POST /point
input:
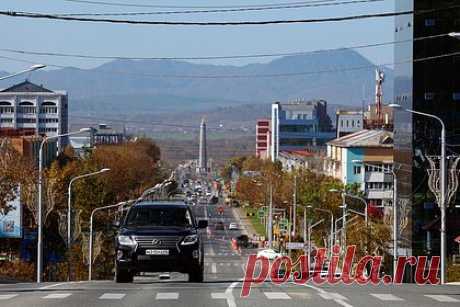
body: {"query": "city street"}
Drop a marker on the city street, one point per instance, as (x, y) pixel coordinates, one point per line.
(222, 285)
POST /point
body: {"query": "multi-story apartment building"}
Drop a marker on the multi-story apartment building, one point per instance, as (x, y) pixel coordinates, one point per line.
(299, 125)
(427, 80)
(364, 158)
(27, 106)
(262, 138)
(348, 122)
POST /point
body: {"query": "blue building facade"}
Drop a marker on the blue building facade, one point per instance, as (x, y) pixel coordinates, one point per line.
(299, 125)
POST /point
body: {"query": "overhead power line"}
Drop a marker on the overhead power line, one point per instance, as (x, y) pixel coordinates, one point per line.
(237, 56)
(122, 4)
(229, 10)
(207, 23)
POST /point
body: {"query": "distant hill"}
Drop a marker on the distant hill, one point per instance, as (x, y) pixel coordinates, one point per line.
(123, 87)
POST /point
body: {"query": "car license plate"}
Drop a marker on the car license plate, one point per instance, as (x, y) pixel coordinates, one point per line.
(163, 252)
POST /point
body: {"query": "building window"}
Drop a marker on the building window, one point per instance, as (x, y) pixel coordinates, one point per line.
(356, 170)
(6, 120)
(48, 130)
(429, 96)
(48, 110)
(26, 120)
(353, 123)
(456, 96)
(430, 22)
(341, 123)
(48, 120)
(4, 110)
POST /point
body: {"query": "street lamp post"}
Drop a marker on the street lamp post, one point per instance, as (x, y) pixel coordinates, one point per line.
(40, 205)
(310, 228)
(344, 211)
(90, 252)
(442, 204)
(69, 202)
(270, 218)
(306, 226)
(331, 228)
(343, 218)
(31, 68)
(294, 196)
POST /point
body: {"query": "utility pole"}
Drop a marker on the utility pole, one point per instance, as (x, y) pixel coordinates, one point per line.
(395, 223)
(344, 222)
(270, 218)
(294, 207)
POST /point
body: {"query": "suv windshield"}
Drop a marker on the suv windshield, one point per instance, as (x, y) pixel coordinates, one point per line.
(150, 216)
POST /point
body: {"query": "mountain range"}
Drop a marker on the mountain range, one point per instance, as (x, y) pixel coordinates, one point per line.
(130, 87)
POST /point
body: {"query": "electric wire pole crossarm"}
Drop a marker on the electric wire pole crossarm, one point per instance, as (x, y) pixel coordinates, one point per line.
(40, 200)
(442, 202)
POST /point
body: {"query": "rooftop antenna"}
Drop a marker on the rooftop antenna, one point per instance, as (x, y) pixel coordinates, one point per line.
(379, 79)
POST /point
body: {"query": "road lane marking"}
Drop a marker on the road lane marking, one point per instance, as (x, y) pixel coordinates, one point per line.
(167, 296)
(332, 296)
(277, 296)
(443, 298)
(386, 297)
(213, 268)
(60, 284)
(4, 297)
(324, 292)
(112, 296)
(57, 295)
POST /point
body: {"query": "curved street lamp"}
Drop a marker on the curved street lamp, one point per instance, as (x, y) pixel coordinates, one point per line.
(442, 202)
(31, 68)
(40, 201)
(69, 202)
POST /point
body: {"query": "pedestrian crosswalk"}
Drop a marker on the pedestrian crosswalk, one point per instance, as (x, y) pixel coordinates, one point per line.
(386, 297)
(112, 296)
(443, 298)
(260, 294)
(57, 295)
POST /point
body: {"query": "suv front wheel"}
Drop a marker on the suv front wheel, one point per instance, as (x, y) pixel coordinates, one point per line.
(123, 276)
(196, 274)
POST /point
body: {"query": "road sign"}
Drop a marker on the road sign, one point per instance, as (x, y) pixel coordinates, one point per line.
(295, 245)
(261, 213)
(284, 222)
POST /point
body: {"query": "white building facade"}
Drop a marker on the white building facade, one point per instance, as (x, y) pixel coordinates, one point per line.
(27, 106)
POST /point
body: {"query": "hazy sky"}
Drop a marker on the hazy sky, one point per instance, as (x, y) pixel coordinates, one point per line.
(180, 41)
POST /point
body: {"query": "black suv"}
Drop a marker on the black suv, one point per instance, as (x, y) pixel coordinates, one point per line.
(159, 237)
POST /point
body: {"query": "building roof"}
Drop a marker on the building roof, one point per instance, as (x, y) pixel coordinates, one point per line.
(297, 153)
(365, 138)
(27, 87)
(301, 104)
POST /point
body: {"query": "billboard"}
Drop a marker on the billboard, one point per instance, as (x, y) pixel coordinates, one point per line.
(11, 223)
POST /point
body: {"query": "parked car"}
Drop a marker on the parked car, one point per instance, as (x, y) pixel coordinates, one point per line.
(219, 226)
(233, 226)
(269, 253)
(243, 241)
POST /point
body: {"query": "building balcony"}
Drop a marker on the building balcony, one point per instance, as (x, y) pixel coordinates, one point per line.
(379, 194)
(378, 177)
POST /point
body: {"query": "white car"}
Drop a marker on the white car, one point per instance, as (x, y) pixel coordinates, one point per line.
(268, 253)
(233, 226)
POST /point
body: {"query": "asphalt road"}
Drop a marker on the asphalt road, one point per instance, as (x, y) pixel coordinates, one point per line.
(222, 286)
